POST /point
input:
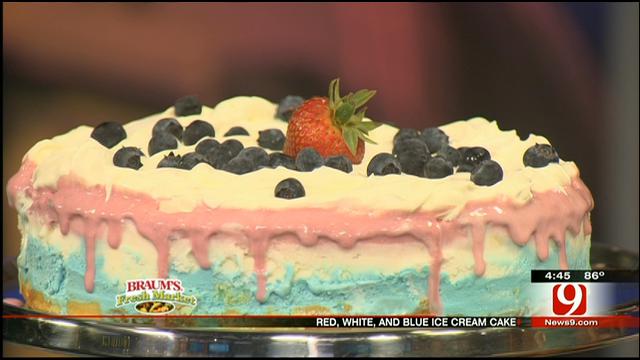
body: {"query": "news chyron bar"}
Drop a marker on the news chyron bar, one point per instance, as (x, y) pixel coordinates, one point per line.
(558, 298)
(555, 298)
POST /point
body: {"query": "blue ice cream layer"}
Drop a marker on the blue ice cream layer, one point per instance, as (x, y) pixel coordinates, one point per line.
(218, 292)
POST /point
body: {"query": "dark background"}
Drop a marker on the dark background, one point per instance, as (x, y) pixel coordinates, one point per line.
(565, 71)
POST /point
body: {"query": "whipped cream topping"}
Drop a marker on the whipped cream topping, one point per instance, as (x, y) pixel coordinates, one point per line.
(179, 190)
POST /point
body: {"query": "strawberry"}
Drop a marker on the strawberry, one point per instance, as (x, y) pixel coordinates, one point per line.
(332, 126)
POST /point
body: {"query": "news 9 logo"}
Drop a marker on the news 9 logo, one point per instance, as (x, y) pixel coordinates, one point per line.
(569, 299)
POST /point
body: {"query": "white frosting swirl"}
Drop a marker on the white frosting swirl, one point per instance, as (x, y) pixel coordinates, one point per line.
(181, 190)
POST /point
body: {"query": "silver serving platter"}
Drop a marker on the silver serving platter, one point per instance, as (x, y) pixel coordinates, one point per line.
(105, 337)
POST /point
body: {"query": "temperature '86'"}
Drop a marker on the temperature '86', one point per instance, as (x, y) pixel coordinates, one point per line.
(593, 275)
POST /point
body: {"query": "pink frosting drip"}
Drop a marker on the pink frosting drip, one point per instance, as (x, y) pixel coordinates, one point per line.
(86, 210)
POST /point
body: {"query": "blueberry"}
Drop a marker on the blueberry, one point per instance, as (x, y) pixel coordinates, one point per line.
(223, 153)
(289, 189)
(341, 163)
(237, 130)
(434, 138)
(232, 146)
(207, 145)
(128, 157)
(412, 154)
(308, 159)
(472, 157)
(170, 160)
(218, 159)
(188, 105)
(189, 160)
(162, 141)
(413, 162)
(257, 155)
(240, 165)
(383, 164)
(279, 159)
(109, 134)
(196, 131)
(272, 139)
(414, 144)
(287, 106)
(168, 125)
(540, 155)
(438, 168)
(450, 154)
(405, 134)
(487, 173)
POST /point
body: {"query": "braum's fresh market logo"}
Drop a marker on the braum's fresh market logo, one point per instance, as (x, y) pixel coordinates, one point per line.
(155, 296)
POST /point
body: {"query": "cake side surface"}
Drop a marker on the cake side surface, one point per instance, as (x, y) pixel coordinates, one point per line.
(301, 279)
(411, 244)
